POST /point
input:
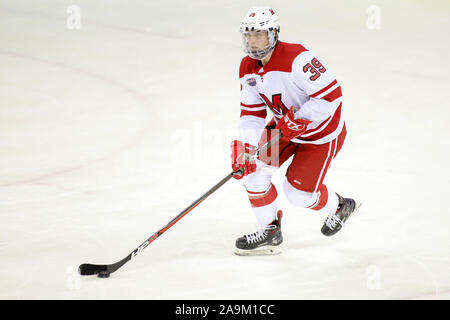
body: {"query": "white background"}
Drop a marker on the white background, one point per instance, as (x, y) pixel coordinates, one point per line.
(108, 131)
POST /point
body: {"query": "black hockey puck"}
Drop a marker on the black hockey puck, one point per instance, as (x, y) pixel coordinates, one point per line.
(103, 274)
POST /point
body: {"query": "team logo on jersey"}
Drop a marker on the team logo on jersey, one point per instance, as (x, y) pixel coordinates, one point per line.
(276, 105)
(251, 82)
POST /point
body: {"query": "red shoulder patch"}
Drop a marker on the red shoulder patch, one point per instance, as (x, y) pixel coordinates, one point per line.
(248, 65)
(283, 56)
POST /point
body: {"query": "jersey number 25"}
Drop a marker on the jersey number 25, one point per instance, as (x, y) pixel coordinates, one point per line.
(315, 67)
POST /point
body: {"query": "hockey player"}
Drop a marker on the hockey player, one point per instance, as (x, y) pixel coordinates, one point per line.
(306, 101)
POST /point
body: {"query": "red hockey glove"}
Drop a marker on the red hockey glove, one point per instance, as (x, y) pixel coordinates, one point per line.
(241, 162)
(291, 127)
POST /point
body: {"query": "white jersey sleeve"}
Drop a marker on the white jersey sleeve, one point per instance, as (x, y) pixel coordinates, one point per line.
(253, 109)
(320, 84)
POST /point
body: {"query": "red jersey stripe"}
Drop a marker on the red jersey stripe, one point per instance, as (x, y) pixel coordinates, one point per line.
(318, 128)
(333, 95)
(253, 105)
(260, 113)
(331, 127)
(323, 89)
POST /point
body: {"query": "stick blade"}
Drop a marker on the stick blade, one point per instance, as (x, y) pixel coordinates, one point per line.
(87, 269)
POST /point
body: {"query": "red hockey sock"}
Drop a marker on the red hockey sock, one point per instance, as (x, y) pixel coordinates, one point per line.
(260, 199)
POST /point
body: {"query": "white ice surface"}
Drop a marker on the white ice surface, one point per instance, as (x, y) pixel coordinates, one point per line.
(109, 131)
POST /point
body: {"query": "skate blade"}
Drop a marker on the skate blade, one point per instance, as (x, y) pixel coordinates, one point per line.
(357, 205)
(262, 251)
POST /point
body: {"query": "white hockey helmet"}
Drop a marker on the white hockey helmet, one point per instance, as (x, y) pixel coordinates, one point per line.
(260, 19)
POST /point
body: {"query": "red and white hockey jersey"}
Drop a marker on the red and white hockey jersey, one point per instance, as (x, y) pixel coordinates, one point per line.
(292, 77)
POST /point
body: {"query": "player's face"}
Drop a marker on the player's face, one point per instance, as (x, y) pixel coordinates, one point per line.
(257, 40)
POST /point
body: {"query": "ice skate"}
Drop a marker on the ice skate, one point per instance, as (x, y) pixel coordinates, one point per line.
(335, 221)
(263, 242)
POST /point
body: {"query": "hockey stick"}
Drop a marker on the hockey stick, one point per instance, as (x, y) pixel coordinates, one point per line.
(104, 270)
